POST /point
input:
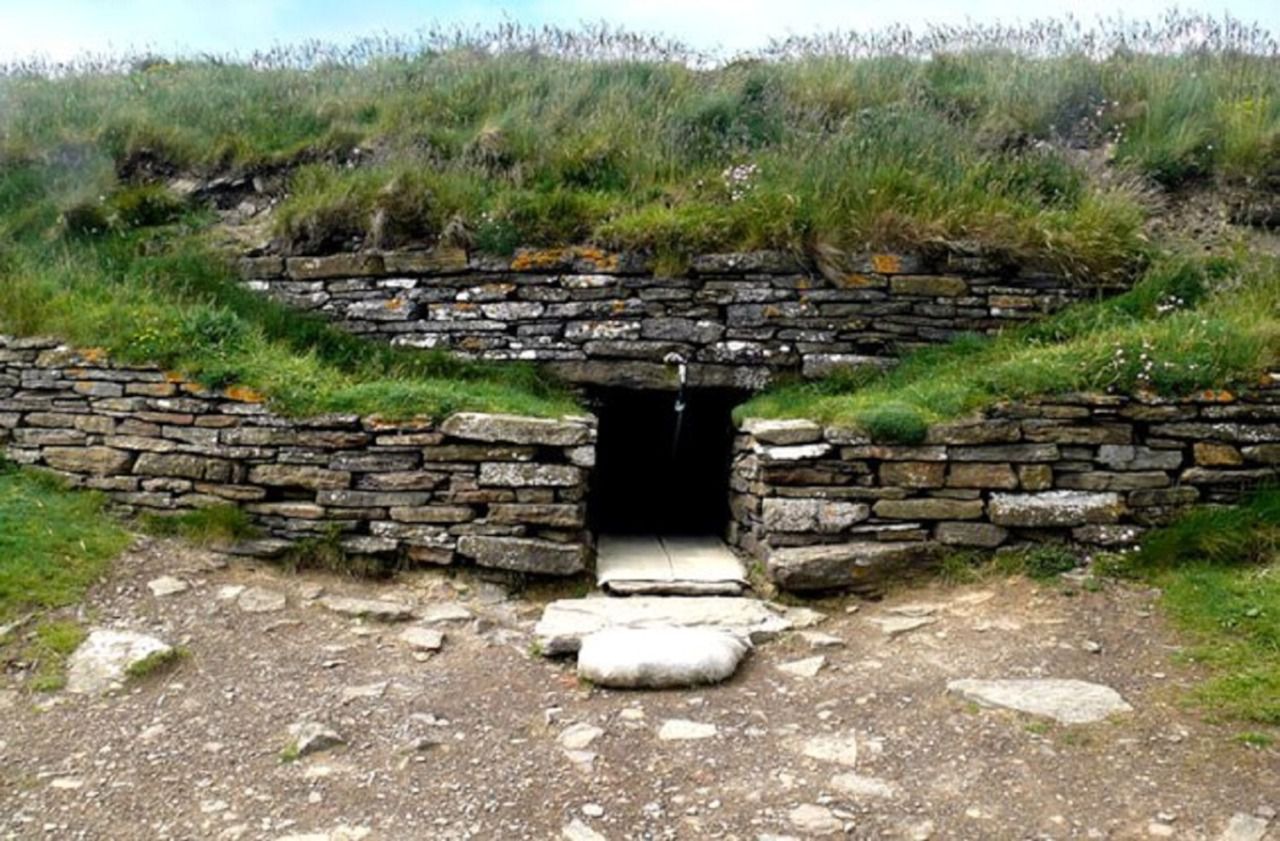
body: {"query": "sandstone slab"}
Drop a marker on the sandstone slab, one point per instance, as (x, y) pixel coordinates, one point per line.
(101, 663)
(1065, 701)
(565, 623)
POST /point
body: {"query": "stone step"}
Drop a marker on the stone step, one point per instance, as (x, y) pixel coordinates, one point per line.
(668, 565)
(859, 566)
(565, 622)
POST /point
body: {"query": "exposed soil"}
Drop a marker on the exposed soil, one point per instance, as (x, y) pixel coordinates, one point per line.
(464, 743)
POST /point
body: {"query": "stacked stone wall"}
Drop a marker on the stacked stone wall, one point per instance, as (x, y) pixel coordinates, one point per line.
(826, 507)
(500, 491)
(737, 319)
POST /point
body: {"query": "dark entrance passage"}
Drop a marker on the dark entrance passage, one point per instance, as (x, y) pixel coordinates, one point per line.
(656, 476)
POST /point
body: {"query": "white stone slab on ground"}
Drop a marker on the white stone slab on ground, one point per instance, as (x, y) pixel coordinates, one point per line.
(680, 565)
(660, 658)
(565, 622)
(1065, 701)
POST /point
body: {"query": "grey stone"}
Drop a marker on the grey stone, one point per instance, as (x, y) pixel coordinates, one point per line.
(1065, 701)
(442, 613)
(566, 622)
(1244, 827)
(862, 564)
(985, 535)
(300, 476)
(811, 515)
(894, 626)
(1054, 508)
(806, 667)
(261, 600)
(167, 585)
(377, 610)
(422, 639)
(509, 475)
(815, 820)
(783, 432)
(659, 657)
(97, 461)
(101, 663)
(679, 729)
(576, 830)
(861, 787)
(522, 554)
(312, 737)
(516, 429)
(929, 509)
(579, 736)
(837, 748)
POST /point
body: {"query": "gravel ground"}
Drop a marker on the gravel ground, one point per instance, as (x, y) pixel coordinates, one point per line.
(486, 740)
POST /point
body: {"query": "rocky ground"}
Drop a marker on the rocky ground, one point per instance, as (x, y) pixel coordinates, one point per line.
(485, 739)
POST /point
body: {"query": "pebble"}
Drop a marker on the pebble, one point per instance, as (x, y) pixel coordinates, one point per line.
(579, 736)
(167, 585)
(808, 667)
(422, 639)
(593, 810)
(576, 830)
(813, 819)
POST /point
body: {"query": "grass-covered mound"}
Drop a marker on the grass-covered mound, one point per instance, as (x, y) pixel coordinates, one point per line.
(182, 308)
(1188, 324)
(553, 137)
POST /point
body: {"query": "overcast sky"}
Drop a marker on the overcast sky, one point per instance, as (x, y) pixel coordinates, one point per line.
(63, 28)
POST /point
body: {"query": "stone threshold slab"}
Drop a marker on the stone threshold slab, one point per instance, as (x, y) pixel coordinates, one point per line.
(668, 565)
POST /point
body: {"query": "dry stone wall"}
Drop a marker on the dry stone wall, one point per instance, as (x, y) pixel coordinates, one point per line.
(501, 491)
(608, 319)
(826, 507)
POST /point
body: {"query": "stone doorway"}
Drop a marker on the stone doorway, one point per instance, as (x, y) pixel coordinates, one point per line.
(659, 499)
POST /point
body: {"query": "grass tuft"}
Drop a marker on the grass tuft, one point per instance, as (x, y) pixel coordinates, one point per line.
(218, 525)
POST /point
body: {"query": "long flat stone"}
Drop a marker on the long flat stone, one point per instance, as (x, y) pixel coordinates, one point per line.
(101, 663)
(859, 565)
(1065, 701)
(650, 565)
(565, 622)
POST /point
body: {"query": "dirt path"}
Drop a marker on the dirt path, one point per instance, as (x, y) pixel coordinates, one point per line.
(470, 742)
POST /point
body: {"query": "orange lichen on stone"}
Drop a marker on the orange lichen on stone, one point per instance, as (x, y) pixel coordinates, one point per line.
(394, 304)
(618, 307)
(886, 263)
(376, 423)
(602, 260)
(244, 394)
(541, 258)
(1217, 396)
(94, 354)
(194, 388)
(857, 281)
(174, 377)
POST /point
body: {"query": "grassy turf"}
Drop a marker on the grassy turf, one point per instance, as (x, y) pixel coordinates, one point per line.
(523, 138)
(53, 543)
(1188, 324)
(1219, 572)
(160, 296)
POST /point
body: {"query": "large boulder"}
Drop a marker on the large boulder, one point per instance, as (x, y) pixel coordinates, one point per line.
(658, 658)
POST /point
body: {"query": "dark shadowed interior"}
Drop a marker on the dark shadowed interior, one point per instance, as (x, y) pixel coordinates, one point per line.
(656, 476)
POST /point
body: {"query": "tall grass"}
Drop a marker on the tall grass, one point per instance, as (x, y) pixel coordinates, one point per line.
(537, 136)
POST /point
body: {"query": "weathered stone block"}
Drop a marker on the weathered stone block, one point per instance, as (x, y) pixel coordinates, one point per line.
(1130, 457)
(515, 429)
(820, 516)
(97, 461)
(524, 554)
(1055, 508)
(913, 474)
(862, 565)
(516, 475)
(934, 287)
(336, 265)
(980, 475)
(371, 499)
(1035, 477)
(184, 465)
(299, 476)
(929, 509)
(1104, 481)
(1263, 453)
(433, 514)
(782, 432)
(1008, 452)
(984, 535)
(557, 515)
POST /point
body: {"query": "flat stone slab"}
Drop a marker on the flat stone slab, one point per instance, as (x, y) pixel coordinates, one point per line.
(101, 663)
(375, 610)
(564, 623)
(1065, 701)
(680, 730)
(650, 564)
(660, 658)
(860, 565)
